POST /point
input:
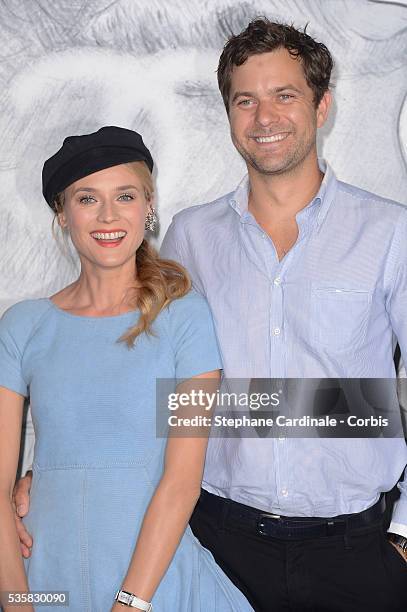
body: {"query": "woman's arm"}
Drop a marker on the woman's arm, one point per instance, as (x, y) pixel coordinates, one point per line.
(173, 502)
(12, 574)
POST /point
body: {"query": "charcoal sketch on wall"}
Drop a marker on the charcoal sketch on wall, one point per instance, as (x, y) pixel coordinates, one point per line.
(150, 65)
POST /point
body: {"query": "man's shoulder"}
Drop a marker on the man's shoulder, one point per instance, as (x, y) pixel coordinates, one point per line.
(371, 201)
(206, 212)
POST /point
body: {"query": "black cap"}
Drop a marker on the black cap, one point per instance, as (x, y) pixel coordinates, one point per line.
(80, 156)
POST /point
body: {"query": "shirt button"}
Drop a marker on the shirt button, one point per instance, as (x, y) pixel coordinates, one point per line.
(263, 236)
(277, 280)
(276, 331)
(281, 438)
(284, 492)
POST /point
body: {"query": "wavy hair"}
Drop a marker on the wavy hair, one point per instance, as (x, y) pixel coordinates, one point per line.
(263, 36)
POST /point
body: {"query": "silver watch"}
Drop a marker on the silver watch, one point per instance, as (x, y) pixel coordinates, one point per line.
(128, 599)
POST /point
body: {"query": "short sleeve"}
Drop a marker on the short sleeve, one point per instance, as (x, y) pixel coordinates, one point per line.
(11, 351)
(193, 337)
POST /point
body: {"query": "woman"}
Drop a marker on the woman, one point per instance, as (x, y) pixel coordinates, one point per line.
(89, 358)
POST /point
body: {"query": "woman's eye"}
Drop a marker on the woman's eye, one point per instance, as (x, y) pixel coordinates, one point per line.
(126, 197)
(86, 200)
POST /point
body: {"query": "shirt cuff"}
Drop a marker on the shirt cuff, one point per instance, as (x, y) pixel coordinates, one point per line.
(399, 515)
(398, 528)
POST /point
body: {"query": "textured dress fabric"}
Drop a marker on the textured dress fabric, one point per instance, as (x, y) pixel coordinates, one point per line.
(97, 458)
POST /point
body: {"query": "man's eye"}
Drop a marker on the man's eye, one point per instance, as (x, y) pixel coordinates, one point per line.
(285, 97)
(126, 197)
(247, 102)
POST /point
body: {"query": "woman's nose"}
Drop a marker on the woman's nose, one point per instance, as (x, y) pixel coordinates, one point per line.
(108, 212)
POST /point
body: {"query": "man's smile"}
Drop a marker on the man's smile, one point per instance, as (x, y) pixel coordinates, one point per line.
(270, 139)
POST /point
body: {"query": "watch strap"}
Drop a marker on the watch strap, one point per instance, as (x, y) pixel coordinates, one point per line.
(132, 601)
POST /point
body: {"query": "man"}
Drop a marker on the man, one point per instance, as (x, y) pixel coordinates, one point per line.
(306, 277)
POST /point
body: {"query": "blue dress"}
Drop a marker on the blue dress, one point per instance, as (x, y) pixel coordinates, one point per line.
(97, 459)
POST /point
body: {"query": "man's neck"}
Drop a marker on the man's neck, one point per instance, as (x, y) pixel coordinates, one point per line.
(283, 195)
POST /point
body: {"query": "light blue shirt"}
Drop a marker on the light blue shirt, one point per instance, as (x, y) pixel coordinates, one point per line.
(332, 307)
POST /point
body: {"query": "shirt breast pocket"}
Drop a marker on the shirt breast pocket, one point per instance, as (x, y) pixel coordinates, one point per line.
(340, 316)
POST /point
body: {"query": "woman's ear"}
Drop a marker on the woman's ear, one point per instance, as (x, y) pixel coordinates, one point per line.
(150, 197)
(62, 220)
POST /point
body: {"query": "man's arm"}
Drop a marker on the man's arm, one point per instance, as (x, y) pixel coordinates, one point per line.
(175, 246)
(170, 248)
(397, 309)
(402, 393)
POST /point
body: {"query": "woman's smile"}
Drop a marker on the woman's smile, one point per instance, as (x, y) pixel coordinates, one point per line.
(109, 239)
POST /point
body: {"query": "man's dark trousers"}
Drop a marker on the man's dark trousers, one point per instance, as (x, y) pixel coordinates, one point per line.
(358, 571)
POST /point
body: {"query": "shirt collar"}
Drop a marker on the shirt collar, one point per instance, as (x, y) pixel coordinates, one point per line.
(326, 191)
(240, 197)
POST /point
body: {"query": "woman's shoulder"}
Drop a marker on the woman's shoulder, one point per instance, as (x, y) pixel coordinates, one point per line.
(189, 315)
(191, 305)
(23, 316)
(192, 336)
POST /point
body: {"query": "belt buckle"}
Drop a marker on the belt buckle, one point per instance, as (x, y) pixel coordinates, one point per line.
(336, 527)
(261, 525)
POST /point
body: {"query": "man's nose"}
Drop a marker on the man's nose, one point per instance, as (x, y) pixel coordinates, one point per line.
(267, 113)
(108, 212)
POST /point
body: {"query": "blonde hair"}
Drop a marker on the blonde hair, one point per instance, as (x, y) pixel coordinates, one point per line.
(158, 281)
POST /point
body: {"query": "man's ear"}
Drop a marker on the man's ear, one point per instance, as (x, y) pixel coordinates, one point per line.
(323, 108)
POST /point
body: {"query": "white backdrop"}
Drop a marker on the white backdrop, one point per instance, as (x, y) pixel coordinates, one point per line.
(71, 67)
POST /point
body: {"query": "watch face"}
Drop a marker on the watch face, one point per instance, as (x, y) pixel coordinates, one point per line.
(122, 597)
(132, 601)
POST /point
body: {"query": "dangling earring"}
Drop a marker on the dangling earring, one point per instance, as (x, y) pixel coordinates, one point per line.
(151, 220)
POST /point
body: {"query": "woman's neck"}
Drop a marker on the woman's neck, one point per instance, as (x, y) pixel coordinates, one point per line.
(102, 292)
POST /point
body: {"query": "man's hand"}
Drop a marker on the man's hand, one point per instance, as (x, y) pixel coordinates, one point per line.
(399, 550)
(21, 502)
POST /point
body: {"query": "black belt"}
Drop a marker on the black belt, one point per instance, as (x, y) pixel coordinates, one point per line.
(266, 524)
